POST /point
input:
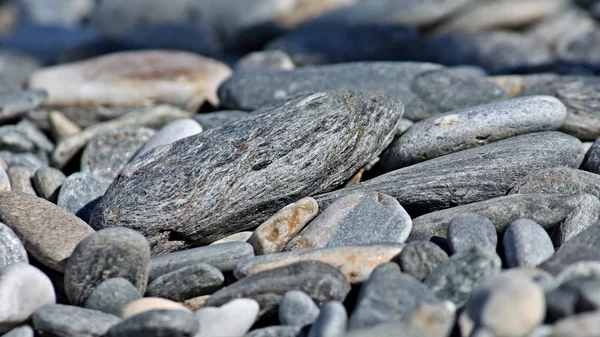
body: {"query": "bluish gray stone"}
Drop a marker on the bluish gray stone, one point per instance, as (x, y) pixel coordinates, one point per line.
(21, 331)
(297, 308)
(71, 321)
(213, 120)
(419, 258)
(187, 282)
(468, 230)
(25, 137)
(27, 160)
(526, 244)
(591, 162)
(81, 192)
(112, 296)
(169, 133)
(47, 182)
(156, 323)
(331, 322)
(563, 180)
(11, 248)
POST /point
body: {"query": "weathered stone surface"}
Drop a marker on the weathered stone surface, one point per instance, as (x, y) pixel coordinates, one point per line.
(20, 179)
(27, 160)
(580, 49)
(331, 322)
(187, 282)
(591, 162)
(471, 127)
(232, 319)
(355, 262)
(72, 321)
(47, 182)
(245, 168)
(112, 296)
(242, 236)
(272, 235)
(11, 248)
(80, 193)
(48, 232)
(320, 281)
(468, 230)
(213, 120)
(16, 102)
(93, 261)
(270, 59)
(526, 244)
(561, 180)
(168, 134)
(471, 175)
(156, 323)
(149, 304)
(298, 309)
(419, 258)
(25, 137)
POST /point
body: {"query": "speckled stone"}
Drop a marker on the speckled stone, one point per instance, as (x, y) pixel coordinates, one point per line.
(562, 180)
(16, 102)
(526, 244)
(11, 248)
(419, 258)
(156, 323)
(269, 59)
(297, 308)
(27, 160)
(47, 182)
(232, 319)
(20, 179)
(331, 322)
(187, 282)
(21, 331)
(168, 134)
(112, 296)
(468, 230)
(72, 321)
(81, 192)
(213, 120)
(149, 304)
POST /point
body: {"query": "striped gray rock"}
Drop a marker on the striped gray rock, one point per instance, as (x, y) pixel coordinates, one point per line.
(168, 134)
(251, 168)
(563, 180)
(217, 119)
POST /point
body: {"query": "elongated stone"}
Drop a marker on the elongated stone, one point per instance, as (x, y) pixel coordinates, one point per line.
(150, 304)
(471, 127)
(170, 133)
(471, 175)
(156, 323)
(4, 181)
(331, 322)
(61, 126)
(187, 282)
(561, 180)
(245, 168)
(72, 321)
(243, 236)
(355, 262)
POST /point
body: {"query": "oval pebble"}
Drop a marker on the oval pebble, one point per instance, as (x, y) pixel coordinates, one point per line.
(112, 296)
(156, 323)
(526, 244)
(169, 133)
(297, 308)
(331, 322)
(229, 320)
(187, 282)
(148, 304)
(71, 321)
(468, 230)
(419, 258)
(47, 182)
(80, 193)
(11, 248)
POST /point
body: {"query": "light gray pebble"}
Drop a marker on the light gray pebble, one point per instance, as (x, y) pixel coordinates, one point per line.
(331, 322)
(237, 237)
(112, 296)
(187, 282)
(71, 321)
(275, 331)
(297, 308)
(16, 102)
(468, 230)
(419, 258)
(168, 134)
(47, 182)
(268, 59)
(526, 244)
(11, 248)
(81, 192)
(20, 331)
(233, 319)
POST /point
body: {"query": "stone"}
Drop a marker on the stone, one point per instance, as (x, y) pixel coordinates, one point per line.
(156, 323)
(331, 322)
(553, 30)
(404, 125)
(24, 289)
(423, 87)
(48, 232)
(196, 303)
(263, 151)
(47, 182)
(11, 248)
(61, 125)
(419, 258)
(591, 162)
(242, 236)
(223, 256)
(466, 177)
(21, 64)
(578, 293)
(469, 230)
(233, 319)
(454, 279)
(578, 50)
(275, 331)
(320, 281)
(112, 296)
(385, 330)
(20, 331)
(583, 324)
(213, 120)
(270, 59)
(561, 180)
(433, 319)
(355, 262)
(187, 282)
(150, 304)
(108, 152)
(579, 270)
(169, 133)
(72, 321)
(526, 244)
(4, 181)
(388, 296)
(361, 218)
(298, 309)
(25, 137)
(272, 235)
(16, 102)
(20, 179)
(93, 261)
(27, 160)
(475, 126)
(80, 193)
(57, 12)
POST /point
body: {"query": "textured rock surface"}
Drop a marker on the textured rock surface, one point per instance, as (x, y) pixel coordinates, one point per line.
(20, 179)
(331, 322)
(11, 248)
(170, 133)
(156, 323)
(80, 193)
(561, 180)
(4, 181)
(297, 308)
(334, 135)
(187, 282)
(112, 296)
(217, 119)
(468, 230)
(72, 321)
(419, 258)
(232, 319)
(47, 182)
(526, 244)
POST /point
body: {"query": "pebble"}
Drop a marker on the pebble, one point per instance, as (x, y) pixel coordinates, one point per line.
(475, 126)
(81, 192)
(4, 181)
(562, 180)
(571, 296)
(419, 258)
(591, 162)
(108, 152)
(21, 331)
(298, 309)
(275, 331)
(61, 126)
(20, 179)
(320, 281)
(72, 321)
(142, 185)
(269, 59)
(357, 219)
(331, 321)
(272, 235)
(47, 182)
(16, 102)
(150, 304)
(355, 262)
(433, 319)
(385, 330)
(187, 282)
(27, 160)
(48, 232)
(93, 261)
(404, 125)
(169, 133)
(112, 296)
(469, 230)
(233, 319)
(583, 324)
(11, 248)
(24, 289)
(57, 12)
(156, 323)
(213, 120)
(454, 279)
(242, 236)
(526, 244)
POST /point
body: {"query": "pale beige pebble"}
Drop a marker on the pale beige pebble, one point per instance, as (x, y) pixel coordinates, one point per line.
(134, 78)
(512, 84)
(272, 235)
(151, 303)
(153, 117)
(403, 126)
(269, 59)
(587, 145)
(580, 325)
(4, 180)
(433, 319)
(356, 179)
(196, 303)
(20, 179)
(61, 126)
(291, 13)
(237, 237)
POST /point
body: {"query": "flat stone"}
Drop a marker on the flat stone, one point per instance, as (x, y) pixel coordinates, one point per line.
(361, 218)
(16, 102)
(92, 262)
(25, 289)
(61, 126)
(233, 319)
(150, 304)
(72, 321)
(462, 272)
(471, 127)
(156, 323)
(11, 248)
(4, 181)
(47, 182)
(269, 59)
(469, 230)
(471, 175)
(272, 235)
(331, 322)
(388, 296)
(20, 179)
(320, 281)
(187, 282)
(275, 331)
(108, 152)
(80, 193)
(562, 180)
(591, 162)
(21, 331)
(355, 262)
(213, 120)
(25, 137)
(223, 256)
(419, 258)
(27, 160)
(526, 244)
(298, 309)
(242, 236)
(168, 134)
(248, 154)
(112, 296)
(48, 232)
(433, 319)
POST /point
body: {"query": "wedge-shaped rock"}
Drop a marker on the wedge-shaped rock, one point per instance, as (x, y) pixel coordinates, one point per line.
(235, 177)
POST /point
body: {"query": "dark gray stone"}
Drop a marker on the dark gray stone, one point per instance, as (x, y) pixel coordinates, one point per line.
(297, 308)
(471, 175)
(71, 321)
(213, 120)
(572, 296)
(94, 260)
(275, 331)
(156, 323)
(187, 282)
(320, 281)
(454, 279)
(223, 256)
(419, 258)
(168, 134)
(334, 134)
(467, 230)
(21, 331)
(16, 102)
(526, 244)
(331, 322)
(591, 162)
(81, 192)
(112, 296)
(581, 49)
(47, 182)
(27, 160)
(388, 296)
(561, 180)
(11, 248)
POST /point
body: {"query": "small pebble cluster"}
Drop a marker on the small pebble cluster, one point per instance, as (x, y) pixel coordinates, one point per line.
(299, 168)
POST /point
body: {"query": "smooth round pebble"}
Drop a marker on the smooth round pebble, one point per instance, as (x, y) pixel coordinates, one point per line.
(149, 304)
(156, 323)
(419, 258)
(112, 296)
(526, 244)
(297, 308)
(11, 248)
(4, 180)
(332, 321)
(71, 321)
(47, 182)
(169, 133)
(233, 319)
(80, 193)
(275, 331)
(469, 230)
(187, 282)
